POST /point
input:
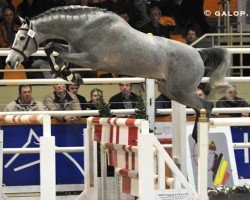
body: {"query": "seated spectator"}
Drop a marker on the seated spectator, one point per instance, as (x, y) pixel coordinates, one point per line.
(154, 26)
(95, 95)
(162, 102)
(231, 100)
(125, 99)
(25, 102)
(3, 4)
(125, 16)
(139, 13)
(191, 36)
(114, 5)
(201, 94)
(8, 28)
(191, 12)
(48, 4)
(60, 99)
(30, 8)
(74, 90)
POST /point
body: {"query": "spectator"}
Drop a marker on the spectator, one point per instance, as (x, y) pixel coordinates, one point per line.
(95, 95)
(168, 7)
(201, 94)
(52, 3)
(116, 6)
(139, 14)
(60, 99)
(162, 102)
(125, 16)
(231, 100)
(3, 4)
(192, 11)
(30, 8)
(191, 36)
(154, 26)
(8, 28)
(25, 102)
(125, 99)
(74, 90)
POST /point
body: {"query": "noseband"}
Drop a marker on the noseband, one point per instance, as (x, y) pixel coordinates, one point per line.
(27, 42)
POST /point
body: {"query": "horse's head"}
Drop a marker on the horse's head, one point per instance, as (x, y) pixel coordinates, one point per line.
(24, 45)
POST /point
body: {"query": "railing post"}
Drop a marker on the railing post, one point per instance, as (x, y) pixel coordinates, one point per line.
(203, 127)
(150, 102)
(146, 178)
(47, 162)
(1, 164)
(179, 136)
(103, 172)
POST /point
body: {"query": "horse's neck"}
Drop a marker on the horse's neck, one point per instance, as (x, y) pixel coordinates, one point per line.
(51, 30)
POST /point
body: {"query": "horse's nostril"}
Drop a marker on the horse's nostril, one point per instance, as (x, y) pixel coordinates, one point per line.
(9, 63)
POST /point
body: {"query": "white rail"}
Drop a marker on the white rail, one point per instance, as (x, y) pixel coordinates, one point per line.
(43, 70)
(101, 81)
(214, 111)
(37, 150)
(241, 145)
(58, 81)
(119, 111)
(241, 121)
(39, 53)
(69, 113)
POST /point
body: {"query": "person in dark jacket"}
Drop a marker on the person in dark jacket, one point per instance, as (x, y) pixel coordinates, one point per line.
(124, 99)
(73, 88)
(30, 8)
(154, 26)
(231, 100)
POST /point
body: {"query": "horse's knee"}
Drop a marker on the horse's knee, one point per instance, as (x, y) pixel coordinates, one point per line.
(48, 48)
(60, 61)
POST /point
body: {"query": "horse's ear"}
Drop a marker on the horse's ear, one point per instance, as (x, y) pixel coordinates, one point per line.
(21, 20)
(27, 20)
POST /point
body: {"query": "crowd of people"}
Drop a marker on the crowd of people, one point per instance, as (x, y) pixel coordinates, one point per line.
(66, 98)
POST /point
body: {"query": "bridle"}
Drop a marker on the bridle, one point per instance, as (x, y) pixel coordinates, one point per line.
(27, 42)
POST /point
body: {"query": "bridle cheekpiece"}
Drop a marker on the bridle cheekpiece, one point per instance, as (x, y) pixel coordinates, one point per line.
(31, 35)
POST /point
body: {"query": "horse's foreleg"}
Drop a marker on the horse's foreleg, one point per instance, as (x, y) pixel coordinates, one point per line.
(60, 48)
(82, 59)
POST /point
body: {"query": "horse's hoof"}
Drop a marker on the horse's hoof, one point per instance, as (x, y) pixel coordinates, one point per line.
(74, 78)
(78, 79)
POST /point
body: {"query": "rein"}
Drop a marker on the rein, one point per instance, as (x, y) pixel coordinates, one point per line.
(27, 42)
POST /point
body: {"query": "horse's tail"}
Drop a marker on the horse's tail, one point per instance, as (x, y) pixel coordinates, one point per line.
(217, 62)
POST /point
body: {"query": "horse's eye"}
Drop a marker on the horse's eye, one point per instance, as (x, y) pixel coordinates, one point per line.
(22, 38)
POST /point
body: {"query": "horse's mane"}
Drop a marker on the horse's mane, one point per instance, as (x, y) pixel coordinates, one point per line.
(69, 10)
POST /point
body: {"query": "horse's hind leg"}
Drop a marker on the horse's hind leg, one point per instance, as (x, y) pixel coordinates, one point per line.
(186, 97)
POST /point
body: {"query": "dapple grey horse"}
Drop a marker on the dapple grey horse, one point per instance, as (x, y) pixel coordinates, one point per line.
(102, 40)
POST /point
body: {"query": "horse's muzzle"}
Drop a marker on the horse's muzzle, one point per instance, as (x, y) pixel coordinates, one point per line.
(12, 64)
(8, 63)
